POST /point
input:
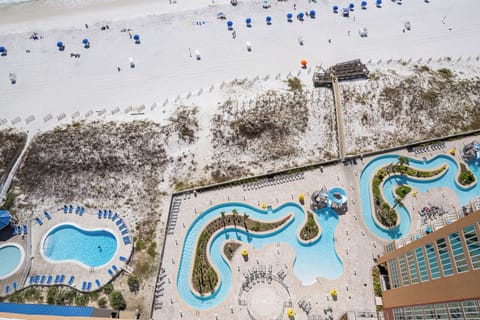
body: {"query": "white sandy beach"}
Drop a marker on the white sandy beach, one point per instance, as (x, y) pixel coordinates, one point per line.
(51, 82)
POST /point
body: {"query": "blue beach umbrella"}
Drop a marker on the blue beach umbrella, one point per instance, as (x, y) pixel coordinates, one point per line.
(335, 9)
(248, 21)
(4, 218)
(312, 13)
(301, 15)
(351, 6)
(364, 5)
(230, 25)
(2, 49)
(289, 17)
(268, 19)
(85, 41)
(136, 37)
(59, 44)
(379, 3)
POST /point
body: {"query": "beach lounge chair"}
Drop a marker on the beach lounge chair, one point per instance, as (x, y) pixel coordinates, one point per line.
(84, 285)
(126, 240)
(123, 259)
(99, 214)
(115, 216)
(82, 210)
(15, 286)
(123, 226)
(25, 229)
(7, 289)
(14, 231)
(110, 272)
(32, 278)
(62, 278)
(57, 278)
(114, 267)
(119, 222)
(98, 283)
(49, 280)
(109, 214)
(70, 281)
(47, 215)
(65, 208)
(42, 280)
(70, 209)
(19, 230)
(89, 286)
(39, 221)
(105, 214)
(124, 232)
(37, 278)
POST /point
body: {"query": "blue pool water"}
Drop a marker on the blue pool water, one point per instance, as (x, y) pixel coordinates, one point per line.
(10, 258)
(317, 259)
(446, 179)
(68, 242)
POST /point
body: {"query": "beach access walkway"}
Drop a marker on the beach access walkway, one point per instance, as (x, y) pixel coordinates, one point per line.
(338, 112)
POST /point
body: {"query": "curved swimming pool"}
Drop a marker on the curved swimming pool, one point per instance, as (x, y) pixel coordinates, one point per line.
(70, 243)
(11, 257)
(447, 179)
(317, 259)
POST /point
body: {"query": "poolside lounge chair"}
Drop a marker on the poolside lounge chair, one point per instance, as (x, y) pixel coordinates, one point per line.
(115, 216)
(70, 209)
(84, 285)
(70, 281)
(32, 278)
(19, 230)
(49, 280)
(110, 272)
(119, 222)
(82, 210)
(98, 283)
(124, 232)
(14, 232)
(39, 221)
(47, 215)
(122, 258)
(62, 278)
(65, 208)
(99, 214)
(89, 286)
(109, 214)
(114, 267)
(25, 229)
(57, 278)
(126, 240)
(7, 289)
(105, 214)
(122, 226)
(15, 286)
(42, 280)
(37, 278)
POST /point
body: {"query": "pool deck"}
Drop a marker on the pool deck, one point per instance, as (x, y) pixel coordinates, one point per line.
(89, 221)
(355, 245)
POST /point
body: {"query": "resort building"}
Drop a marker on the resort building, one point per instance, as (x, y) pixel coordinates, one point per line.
(436, 276)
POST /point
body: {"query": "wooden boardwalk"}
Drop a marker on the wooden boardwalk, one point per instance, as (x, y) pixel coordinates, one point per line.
(338, 112)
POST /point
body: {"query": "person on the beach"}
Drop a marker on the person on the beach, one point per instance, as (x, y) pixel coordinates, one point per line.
(234, 34)
(118, 69)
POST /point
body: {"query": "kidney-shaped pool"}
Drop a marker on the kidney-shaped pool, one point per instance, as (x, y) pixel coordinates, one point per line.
(68, 242)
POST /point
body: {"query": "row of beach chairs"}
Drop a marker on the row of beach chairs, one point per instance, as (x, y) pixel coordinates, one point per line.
(69, 209)
(8, 290)
(172, 221)
(19, 231)
(49, 280)
(429, 148)
(305, 305)
(280, 179)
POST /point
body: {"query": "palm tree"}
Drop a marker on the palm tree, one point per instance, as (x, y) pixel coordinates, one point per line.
(402, 160)
(245, 218)
(398, 202)
(223, 218)
(235, 213)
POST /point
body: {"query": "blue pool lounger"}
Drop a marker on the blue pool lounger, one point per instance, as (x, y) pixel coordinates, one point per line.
(99, 214)
(49, 280)
(114, 267)
(70, 209)
(115, 216)
(65, 208)
(37, 278)
(7, 289)
(62, 278)
(122, 258)
(110, 272)
(47, 215)
(14, 232)
(15, 286)
(98, 283)
(119, 222)
(25, 229)
(32, 278)
(124, 232)
(70, 281)
(82, 210)
(89, 286)
(109, 214)
(57, 278)
(122, 226)
(39, 221)
(19, 230)
(105, 214)
(84, 285)
(42, 280)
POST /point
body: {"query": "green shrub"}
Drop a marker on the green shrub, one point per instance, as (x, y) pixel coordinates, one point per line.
(294, 84)
(17, 297)
(9, 201)
(402, 191)
(151, 251)
(116, 300)
(102, 302)
(446, 73)
(108, 288)
(82, 300)
(133, 283)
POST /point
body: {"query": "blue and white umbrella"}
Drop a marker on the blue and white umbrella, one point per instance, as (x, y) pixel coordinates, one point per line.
(4, 218)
